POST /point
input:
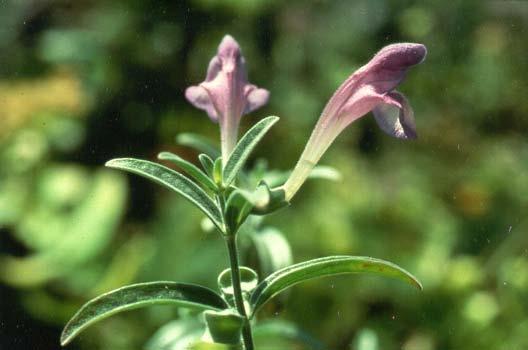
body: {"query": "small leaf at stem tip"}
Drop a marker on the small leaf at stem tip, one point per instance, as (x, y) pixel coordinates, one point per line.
(327, 266)
(141, 295)
(199, 143)
(325, 173)
(207, 164)
(267, 200)
(276, 178)
(174, 181)
(217, 171)
(190, 169)
(244, 148)
(238, 206)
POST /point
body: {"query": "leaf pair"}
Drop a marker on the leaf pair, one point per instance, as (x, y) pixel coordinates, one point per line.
(215, 177)
(194, 296)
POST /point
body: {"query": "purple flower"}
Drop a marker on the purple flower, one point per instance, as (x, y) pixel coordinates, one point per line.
(226, 94)
(370, 88)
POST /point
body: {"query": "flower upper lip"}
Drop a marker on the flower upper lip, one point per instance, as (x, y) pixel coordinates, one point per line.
(384, 72)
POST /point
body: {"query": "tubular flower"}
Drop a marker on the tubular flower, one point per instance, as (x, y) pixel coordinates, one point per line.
(370, 88)
(226, 94)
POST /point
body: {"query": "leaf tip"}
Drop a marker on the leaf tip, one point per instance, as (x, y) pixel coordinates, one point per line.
(65, 338)
(274, 118)
(418, 284)
(163, 155)
(413, 280)
(111, 163)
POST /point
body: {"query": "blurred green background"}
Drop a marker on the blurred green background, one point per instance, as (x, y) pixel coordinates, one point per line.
(85, 81)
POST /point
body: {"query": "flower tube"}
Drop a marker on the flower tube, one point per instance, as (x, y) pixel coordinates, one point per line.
(370, 88)
(226, 94)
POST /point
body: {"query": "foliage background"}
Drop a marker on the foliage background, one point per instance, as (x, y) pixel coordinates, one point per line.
(86, 81)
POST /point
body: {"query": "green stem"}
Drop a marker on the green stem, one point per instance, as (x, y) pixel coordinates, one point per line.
(237, 290)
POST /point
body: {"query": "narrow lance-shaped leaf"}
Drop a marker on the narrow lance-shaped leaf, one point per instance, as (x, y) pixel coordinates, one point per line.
(199, 143)
(277, 334)
(273, 250)
(190, 169)
(173, 180)
(207, 163)
(176, 335)
(319, 172)
(244, 148)
(141, 295)
(332, 265)
(325, 173)
(217, 171)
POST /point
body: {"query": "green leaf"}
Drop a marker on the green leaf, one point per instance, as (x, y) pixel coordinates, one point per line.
(324, 172)
(207, 164)
(332, 265)
(273, 250)
(173, 180)
(217, 171)
(366, 339)
(190, 169)
(176, 335)
(207, 345)
(199, 143)
(238, 207)
(278, 334)
(319, 172)
(244, 148)
(137, 296)
(92, 221)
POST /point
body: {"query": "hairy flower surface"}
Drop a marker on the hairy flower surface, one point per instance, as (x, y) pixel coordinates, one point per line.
(226, 94)
(370, 88)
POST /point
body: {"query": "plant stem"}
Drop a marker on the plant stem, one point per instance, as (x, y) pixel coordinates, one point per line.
(237, 290)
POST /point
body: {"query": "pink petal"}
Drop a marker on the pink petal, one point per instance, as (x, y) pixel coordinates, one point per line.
(397, 121)
(199, 97)
(363, 101)
(399, 56)
(215, 66)
(229, 50)
(255, 97)
(389, 66)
